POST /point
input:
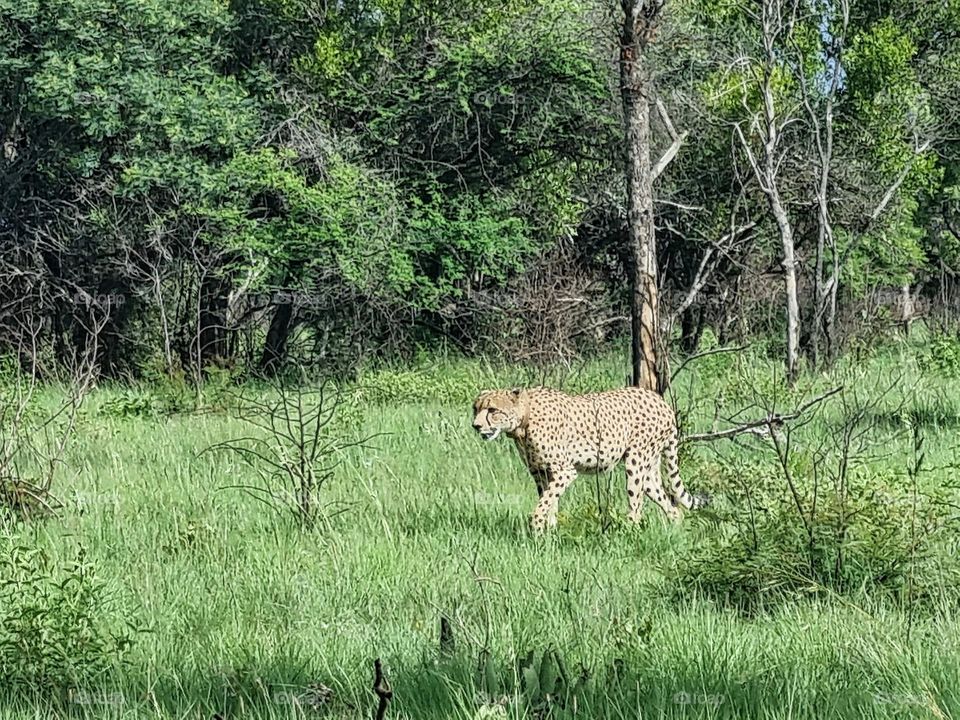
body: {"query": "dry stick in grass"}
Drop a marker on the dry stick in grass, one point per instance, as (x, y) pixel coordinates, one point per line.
(762, 426)
(382, 688)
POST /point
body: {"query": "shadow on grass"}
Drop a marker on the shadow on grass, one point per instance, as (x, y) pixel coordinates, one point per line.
(489, 520)
(935, 413)
(652, 684)
(579, 524)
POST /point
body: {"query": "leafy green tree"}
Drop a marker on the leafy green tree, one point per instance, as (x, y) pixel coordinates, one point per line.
(490, 115)
(831, 117)
(98, 94)
(136, 170)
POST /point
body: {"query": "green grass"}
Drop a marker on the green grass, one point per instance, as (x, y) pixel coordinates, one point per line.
(243, 611)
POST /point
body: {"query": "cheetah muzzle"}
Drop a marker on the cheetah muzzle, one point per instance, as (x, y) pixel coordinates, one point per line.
(490, 434)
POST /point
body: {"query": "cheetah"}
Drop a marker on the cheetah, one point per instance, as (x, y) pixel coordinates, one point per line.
(559, 435)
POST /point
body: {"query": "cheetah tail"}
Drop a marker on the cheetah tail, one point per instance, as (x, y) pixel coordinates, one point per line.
(688, 500)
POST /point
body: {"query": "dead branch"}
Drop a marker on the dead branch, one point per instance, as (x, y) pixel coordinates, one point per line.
(383, 690)
(679, 205)
(761, 426)
(674, 148)
(707, 265)
(892, 190)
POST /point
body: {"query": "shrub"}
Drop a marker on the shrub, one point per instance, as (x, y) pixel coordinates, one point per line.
(297, 434)
(451, 386)
(169, 395)
(874, 535)
(941, 356)
(130, 403)
(59, 626)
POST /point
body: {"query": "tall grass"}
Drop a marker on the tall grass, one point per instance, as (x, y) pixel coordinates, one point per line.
(244, 614)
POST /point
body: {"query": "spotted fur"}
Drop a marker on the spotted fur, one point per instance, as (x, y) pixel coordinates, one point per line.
(559, 435)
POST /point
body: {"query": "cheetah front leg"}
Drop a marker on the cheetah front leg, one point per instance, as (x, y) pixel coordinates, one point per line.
(545, 514)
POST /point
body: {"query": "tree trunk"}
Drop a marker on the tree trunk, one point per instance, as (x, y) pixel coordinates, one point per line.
(275, 346)
(789, 283)
(906, 309)
(768, 176)
(691, 329)
(832, 347)
(822, 287)
(767, 167)
(212, 320)
(824, 297)
(636, 92)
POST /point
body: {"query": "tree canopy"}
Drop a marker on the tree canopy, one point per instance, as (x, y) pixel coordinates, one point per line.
(214, 180)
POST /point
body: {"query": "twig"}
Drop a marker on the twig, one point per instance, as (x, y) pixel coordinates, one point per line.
(892, 190)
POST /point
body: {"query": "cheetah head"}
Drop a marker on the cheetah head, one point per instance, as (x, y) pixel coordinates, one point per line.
(496, 411)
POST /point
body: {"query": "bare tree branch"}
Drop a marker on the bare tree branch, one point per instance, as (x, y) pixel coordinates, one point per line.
(761, 426)
(706, 267)
(671, 152)
(892, 190)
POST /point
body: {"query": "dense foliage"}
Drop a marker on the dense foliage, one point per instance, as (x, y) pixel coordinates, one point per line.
(205, 182)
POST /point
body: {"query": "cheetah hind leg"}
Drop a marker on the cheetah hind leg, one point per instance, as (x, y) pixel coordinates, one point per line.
(653, 489)
(540, 478)
(674, 485)
(639, 472)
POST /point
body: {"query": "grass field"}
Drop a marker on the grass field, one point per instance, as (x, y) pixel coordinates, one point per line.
(240, 613)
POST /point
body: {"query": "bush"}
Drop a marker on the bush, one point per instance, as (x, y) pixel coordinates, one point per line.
(171, 395)
(874, 535)
(297, 433)
(452, 386)
(130, 403)
(59, 627)
(941, 356)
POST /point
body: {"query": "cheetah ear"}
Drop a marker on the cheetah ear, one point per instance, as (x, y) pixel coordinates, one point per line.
(516, 392)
